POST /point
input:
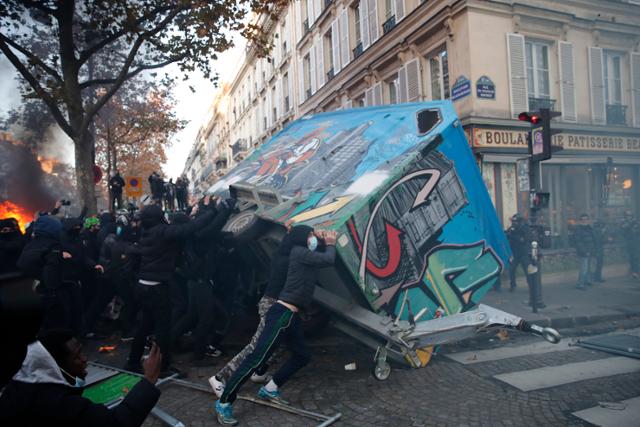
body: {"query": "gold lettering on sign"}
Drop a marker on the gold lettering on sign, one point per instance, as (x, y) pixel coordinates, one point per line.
(500, 138)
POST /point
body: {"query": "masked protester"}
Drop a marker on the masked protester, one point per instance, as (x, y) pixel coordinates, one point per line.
(47, 390)
(282, 321)
(12, 241)
(73, 268)
(584, 242)
(116, 184)
(158, 250)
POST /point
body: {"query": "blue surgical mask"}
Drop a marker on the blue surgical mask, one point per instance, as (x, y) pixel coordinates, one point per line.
(80, 382)
(312, 243)
(119, 230)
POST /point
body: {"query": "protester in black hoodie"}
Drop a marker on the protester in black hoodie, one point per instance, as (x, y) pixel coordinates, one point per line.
(12, 241)
(282, 320)
(47, 390)
(41, 259)
(73, 268)
(198, 263)
(158, 251)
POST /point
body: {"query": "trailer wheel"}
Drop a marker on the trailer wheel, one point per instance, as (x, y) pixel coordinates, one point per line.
(245, 226)
(381, 370)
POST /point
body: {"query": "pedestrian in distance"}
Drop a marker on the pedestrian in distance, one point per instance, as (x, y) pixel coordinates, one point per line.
(630, 230)
(600, 238)
(116, 184)
(584, 242)
(519, 236)
(283, 321)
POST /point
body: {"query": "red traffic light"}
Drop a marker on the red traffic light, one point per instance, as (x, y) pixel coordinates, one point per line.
(529, 117)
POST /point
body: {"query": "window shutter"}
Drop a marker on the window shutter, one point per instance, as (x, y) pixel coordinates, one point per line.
(319, 4)
(596, 81)
(290, 83)
(335, 45)
(635, 87)
(301, 76)
(299, 27)
(368, 97)
(344, 39)
(567, 79)
(402, 85)
(364, 24)
(310, 12)
(269, 107)
(414, 82)
(372, 8)
(517, 74)
(377, 94)
(348, 105)
(287, 33)
(399, 10)
(312, 71)
(320, 63)
(279, 103)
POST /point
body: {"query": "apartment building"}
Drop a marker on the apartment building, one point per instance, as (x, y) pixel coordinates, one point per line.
(492, 59)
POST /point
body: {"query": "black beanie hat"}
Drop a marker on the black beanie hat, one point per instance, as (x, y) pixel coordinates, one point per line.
(299, 235)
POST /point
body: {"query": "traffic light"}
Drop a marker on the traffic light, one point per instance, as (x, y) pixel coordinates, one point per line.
(541, 132)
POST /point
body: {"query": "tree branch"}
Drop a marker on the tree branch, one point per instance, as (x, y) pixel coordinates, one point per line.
(31, 57)
(46, 97)
(133, 73)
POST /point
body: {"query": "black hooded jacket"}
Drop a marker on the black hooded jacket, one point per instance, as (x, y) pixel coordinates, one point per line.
(301, 273)
(71, 242)
(11, 245)
(160, 243)
(279, 267)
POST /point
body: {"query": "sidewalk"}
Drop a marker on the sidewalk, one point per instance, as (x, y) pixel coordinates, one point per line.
(567, 306)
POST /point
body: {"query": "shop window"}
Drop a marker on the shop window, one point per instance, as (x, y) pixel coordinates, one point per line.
(391, 86)
(439, 75)
(538, 75)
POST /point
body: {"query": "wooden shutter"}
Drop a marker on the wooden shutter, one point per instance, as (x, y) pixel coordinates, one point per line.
(377, 94)
(269, 107)
(287, 33)
(402, 85)
(319, 4)
(312, 70)
(374, 31)
(517, 74)
(368, 97)
(279, 103)
(320, 62)
(635, 87)
(567, 79)
(348, 105)
(301, 93)
(344, 39)
(310, 13)
(335, 45)
(299, 26)
(399, 10)
(290, 78)
(364, 24)
(596, 82)
(414, 80)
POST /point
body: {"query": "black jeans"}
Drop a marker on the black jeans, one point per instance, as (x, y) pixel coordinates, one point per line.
(105, 292)
(518, 262)
(116, 198)
(155, 302)
(280, 324)
(199, 312)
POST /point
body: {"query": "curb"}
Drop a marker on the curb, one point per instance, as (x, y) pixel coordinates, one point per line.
(575, 321)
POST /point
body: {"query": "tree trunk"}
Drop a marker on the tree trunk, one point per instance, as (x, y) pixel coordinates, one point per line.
(84, 172)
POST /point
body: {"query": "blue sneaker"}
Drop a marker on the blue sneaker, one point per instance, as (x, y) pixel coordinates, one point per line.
(224, 414)
(272, 396)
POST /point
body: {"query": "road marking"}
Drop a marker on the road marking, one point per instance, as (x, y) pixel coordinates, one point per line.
(539, 347)
(552, 376)
(617, 417)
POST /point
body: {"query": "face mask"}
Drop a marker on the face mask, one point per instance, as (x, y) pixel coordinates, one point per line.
(119, 230)
(79, 381)
(312, 243)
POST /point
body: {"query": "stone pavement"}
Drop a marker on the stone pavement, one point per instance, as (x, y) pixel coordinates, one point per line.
(568, 306)
(446, 393)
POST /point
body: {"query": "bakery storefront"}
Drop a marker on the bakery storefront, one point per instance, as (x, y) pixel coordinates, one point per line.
(594, 173)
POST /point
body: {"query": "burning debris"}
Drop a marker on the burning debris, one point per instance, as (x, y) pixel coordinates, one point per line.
(11, 210)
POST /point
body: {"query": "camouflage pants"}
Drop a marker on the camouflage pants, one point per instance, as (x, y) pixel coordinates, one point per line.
(263, 306)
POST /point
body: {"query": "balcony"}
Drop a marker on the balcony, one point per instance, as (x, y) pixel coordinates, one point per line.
(305, 26)
(389, 24)
(357, 51)
(616, 114)
(239, 148)
(537, 103)
(330, 74)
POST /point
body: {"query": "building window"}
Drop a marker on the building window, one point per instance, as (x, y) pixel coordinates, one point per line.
(392, 89)
(328, 55)
(306, 69)
(359, 102)
(356, 15)
(538, 75)
(285, 91)
(439, 75)
(616, 112)
(274, 108)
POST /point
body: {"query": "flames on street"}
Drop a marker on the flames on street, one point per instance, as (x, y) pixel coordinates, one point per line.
(11, 210)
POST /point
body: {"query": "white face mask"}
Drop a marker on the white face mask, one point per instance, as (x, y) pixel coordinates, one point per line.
(80, 382)
(312, 243)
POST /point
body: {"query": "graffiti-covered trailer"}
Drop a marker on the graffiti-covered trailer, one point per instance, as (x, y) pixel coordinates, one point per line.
(419, 242)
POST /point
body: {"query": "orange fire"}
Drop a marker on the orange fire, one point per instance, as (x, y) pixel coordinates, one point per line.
(11, 210)
(47, 164)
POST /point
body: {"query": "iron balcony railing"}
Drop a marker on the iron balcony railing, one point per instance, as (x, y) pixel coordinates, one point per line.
(389, 24)
(357, 51)
(537, 103)
(330, 74)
